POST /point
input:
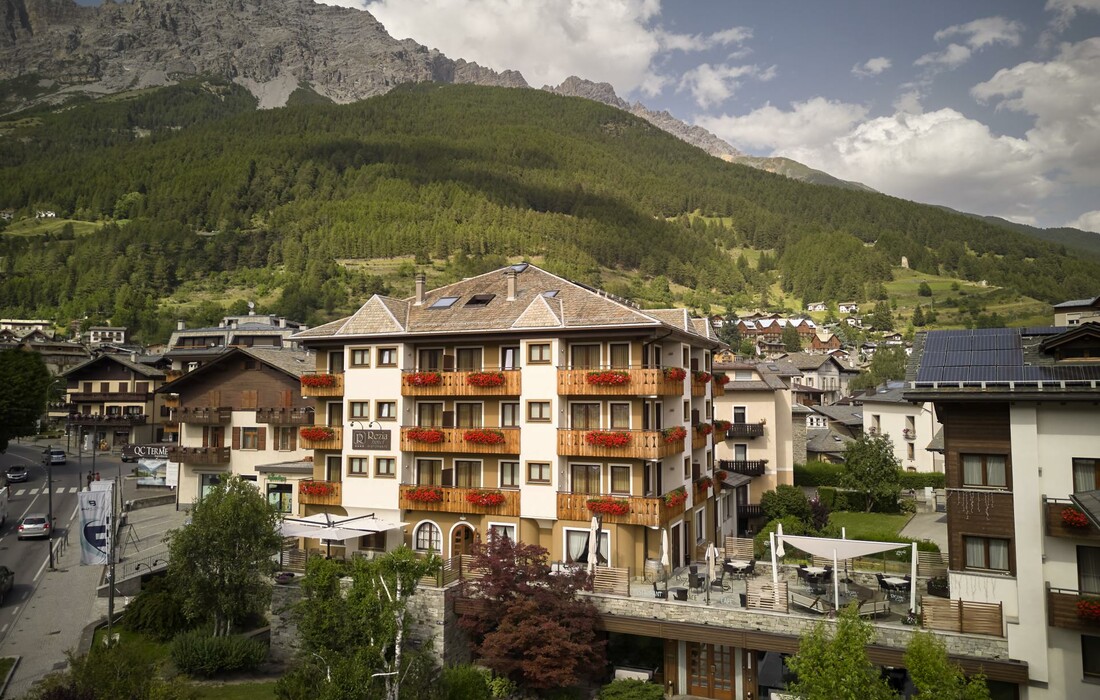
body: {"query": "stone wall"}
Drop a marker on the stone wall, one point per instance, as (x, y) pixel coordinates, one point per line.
(284, 629)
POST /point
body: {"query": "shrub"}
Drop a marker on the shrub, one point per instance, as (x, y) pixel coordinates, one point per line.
(502, 687)
(785, 501)
(827, 495)
(630, 689)
(818, 474)
(819, 515)
(464, 682)
(920, 480)
(197, 653)
(906, 506)
(156, 611)
(760, 543)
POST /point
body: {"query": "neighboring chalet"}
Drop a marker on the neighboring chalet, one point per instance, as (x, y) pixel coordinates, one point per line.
(822, 372)
(848, 307)
(770, 329)
(824, 342)
(911, 426)
(817, 306)
(111, 398)
(1077, 312)
(100, 335)
(190, 348)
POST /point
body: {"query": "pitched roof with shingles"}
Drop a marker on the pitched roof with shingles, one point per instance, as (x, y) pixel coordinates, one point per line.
(542, 300)
(291, 361)
(843, 414)
(144, 370)
(826, 441)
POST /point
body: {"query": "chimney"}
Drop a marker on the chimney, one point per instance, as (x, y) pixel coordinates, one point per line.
(419, 289)
(133, 357)
(180, 325)
(510, 274)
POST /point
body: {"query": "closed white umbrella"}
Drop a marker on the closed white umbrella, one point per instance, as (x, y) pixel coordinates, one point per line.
(593, 545)
(779, 551)
(712, 557)
(666, 560)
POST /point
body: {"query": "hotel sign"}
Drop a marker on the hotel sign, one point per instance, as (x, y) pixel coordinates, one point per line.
(370, 439)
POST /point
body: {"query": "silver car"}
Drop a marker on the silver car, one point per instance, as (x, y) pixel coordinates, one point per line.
(34, 525)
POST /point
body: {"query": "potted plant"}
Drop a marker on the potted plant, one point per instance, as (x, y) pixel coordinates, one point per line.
(317, 433)
(424, 494)
(1071, 517)
(315, 488)
(423, 378)
(483, 436)
(704, 483)
(676, 497)
(485, 498)
(1088, 608)
(673, 434)
(320, 379)
(607, 438)
(284, 577)
(431, 436)
(700, 377)
(720, 475)
(722, 425)
(675, 374)
(485, 379)
(721, 378)
(611, 377)
(704, 429)
(609, 506)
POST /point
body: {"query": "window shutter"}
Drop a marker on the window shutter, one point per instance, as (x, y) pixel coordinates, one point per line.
(448, 477)
(448, 419)
(262, 439)
(448, 363)
(206, 436)
(250, 398)
(236, 438)
(694, 416)
(694, 364)
(287, 399)
(293, 438)
(215, 398)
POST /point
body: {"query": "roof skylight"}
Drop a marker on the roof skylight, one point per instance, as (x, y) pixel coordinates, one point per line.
(443, 303)
(480, 300)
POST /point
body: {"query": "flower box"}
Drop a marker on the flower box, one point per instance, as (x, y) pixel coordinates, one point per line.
(704, 483)
(720, 475)
(704, 428)
(424, 494)
(317, 433)
(485, 379)
(1072, 517)
(608, 378)
(1088, 608)
(432, 436)
(316, 488)
(485, 498)
(722, 425)
(677, 497)
(675, 374)
(701, 377)
(675, 434)
(721, 379)
(482, 436)
(607, 438)
(609, 506)
(318, 380)
(424, 379)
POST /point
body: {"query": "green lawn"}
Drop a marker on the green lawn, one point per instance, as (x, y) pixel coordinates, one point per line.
(237, 691)
(870, 526)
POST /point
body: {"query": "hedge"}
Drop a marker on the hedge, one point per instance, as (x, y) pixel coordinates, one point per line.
(825, 474)
(197, 653)
(919, 480)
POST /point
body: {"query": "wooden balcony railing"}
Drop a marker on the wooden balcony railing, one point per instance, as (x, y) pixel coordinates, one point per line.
(750, 510)
(651, 512)
(748, 467)
(455, 383)
(719, 390)
(698, 389)
(108, 397)
(172, 375)
(285, 416)
(699, 440)
(333, 440)
(744, 431)
(108, 419)
(1057, 527)
(335, 387)
(201, 415)
(642, 382)
(457, 500)
(1062, 610)
(199, 456)
(963, 616)
(454, 440)
(319, 493)
(643, 444)
(172, 401)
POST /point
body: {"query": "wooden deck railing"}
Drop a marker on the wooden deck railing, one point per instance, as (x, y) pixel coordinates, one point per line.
(328, 493)
(204, 415)
(199, 455)
(642, 382)
(337, 388)
(611, 581)
(644, 444)
(335, 442)
(750, 467)
(1056, 527)
(967, 617)
(454, 440)
(744, 431)
(457, 500)
(457, 383)
(285, 416)
(651, 512)
(1062, 610)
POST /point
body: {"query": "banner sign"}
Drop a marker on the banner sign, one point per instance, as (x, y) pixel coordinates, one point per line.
(95, 525)
(154, 451)
(172, 474)
(152, 472)
(370, 439)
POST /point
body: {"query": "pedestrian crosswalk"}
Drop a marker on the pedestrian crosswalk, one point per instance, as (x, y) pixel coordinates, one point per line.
(35, 492)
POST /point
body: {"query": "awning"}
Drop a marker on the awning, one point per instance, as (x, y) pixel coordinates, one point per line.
(732, 480)
(1089, 503)
(305, 468)
(327, 527)
(826, 547)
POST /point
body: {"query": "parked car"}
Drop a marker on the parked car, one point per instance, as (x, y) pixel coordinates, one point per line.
(16, 472)
(7, 579)
(57, 456)
(34, 525)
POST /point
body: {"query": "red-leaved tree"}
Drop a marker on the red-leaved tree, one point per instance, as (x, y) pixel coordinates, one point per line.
(530, 625)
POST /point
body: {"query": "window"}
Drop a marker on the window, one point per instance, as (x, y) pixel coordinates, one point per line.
(387, 357)
(428, 538)
(584, 478)
(250, 438)
(538, 411)
(509, 415)
(985, 470)
(584, 416)
(509, 475)
(538, 472)
(538, 353)
(359, 466)
(284, 439)
(584, 356)
(280, 496)
(468, 359)
(360, 409)
(986, 553)
(620, 479)
(429, 359)
(468, 415)
(1088, 570)
(687, 410)
(207, 483)
(375, 541)
(1086, 477)
(1090, 656)
(443, 303)
(385, 466)
(429, 415)
(620, 355)
(739, 413)
(910, 451)
(740, 452)
(700, 523)
(386, 410)
(578, 546)
(509, 358)
(467, 474)
(480, 300)
(742, 375)
(620, 416)
(503, 531)
(360, 357)
(429, 472)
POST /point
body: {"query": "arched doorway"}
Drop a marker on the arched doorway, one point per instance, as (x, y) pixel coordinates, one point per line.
(462, 539)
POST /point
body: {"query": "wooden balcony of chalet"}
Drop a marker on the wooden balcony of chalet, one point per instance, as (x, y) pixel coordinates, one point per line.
(459, 500)
(322, 384)
(285, 416)
(744, 431)
(747, 467)
(617, 382)
(109, 397)
(108, 419)
(1062, 610)
(204, 415)
(650, 512)
(321, 437)
(640, 444)
(1057, 526)
(199, 456)
(171, 400)
(460, 440)
(319, 493)
(507, 382)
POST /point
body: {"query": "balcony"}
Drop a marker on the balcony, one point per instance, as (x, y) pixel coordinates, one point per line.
(635, 382)
(650, 512)
(319, 493)
(108, 397)
(1057, 527)
(285, 416)
(203, 415)
(172, 401)
(1062, 610)
(744, 431)
(321, 437)
(199, 456)
(454, 440)
(909, 433)
(747, 467)
(173, 374)
(464, 383)
(750, 510)
(700, 438)
(457, 500)
(641, 444)
(322, 384)
(124, 419)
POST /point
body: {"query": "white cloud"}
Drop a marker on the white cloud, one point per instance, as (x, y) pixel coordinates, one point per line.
(1065, 10)
(710, 85)
(816, 121)
(1089, 221)
(951, 57)
(874, 66)
(984, 32)
(910, 101)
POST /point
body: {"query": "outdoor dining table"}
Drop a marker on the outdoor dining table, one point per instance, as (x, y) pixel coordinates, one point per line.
(815, 570)
(737, 566)
(896, 582)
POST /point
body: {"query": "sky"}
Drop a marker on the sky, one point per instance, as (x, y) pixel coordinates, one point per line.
(989, 107)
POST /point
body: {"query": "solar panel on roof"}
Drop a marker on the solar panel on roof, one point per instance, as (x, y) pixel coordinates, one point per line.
(956, 374)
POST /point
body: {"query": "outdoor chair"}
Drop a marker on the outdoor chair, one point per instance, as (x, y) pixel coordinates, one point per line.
(680, 593)
(696, 582)
(660, 592)
(719, 583)
(751, 571)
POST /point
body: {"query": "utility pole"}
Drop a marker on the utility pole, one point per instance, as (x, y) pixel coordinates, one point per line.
(47, 461)
(112, 529)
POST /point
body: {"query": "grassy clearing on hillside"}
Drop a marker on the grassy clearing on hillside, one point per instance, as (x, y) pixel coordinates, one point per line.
(39, 227)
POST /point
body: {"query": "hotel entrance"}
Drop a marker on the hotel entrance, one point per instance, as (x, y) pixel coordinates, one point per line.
(710, 671)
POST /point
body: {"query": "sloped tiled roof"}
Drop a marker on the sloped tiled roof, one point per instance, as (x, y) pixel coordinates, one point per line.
(144, 370)
(845, 415)
(1078, 302)
(826, 441)
(291, 361)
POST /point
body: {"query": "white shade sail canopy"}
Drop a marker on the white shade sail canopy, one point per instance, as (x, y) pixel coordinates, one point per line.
(325, 526)
(828, 547)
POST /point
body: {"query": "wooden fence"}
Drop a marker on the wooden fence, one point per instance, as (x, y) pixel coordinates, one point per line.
(763, 595)
(963, 616)
(928, 563)
(612, 581)
(739, 548)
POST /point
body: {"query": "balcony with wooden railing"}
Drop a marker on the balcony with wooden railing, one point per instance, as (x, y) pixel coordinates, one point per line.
(199, 456)
(172, 401)
(322, 384)
(459, 500)
(109, 397)
(507, 382)
(315, 492)
(202, 415)
(747, 467)
(460, 440)
(650, 512)
(172, 375)
(108, 419)
(744, 431)
(1072, 526)
(617, 382)
(641, 444)
(321, 437)
(1062, 610)
(700, 435)
(285, 416)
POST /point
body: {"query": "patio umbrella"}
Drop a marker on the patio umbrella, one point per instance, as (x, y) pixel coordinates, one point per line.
(666, 561)
(779, 551)
(712, 557)
(594, 548)
(329, 529)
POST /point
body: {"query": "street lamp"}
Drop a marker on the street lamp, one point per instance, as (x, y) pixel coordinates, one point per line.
(47, 461)
(150, 567)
